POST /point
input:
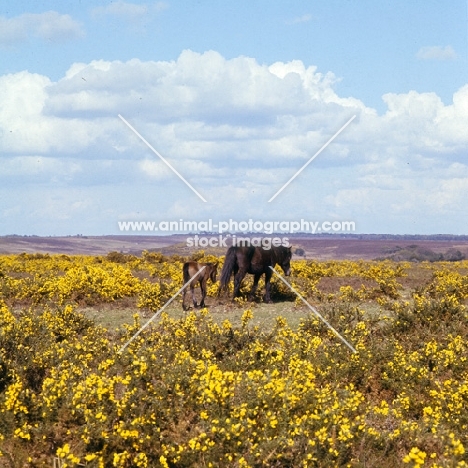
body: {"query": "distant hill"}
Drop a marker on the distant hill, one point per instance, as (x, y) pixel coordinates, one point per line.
(91, 245)
(309, 246)
(415, 253)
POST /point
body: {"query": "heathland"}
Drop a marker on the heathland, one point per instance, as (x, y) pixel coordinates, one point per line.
(237, 384)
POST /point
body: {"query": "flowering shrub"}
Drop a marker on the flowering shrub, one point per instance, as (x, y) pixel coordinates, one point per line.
(193, 392)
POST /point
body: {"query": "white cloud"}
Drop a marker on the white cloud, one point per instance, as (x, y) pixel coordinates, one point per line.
(200, 87)
(237, 130)
(155, 169)
(26, 127)
(436, 53)
(300, 19)
(48, 26)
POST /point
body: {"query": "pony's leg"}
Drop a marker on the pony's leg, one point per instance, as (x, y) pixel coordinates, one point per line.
(254, 287)
(268, 275)
(237, 282)
(194, 299)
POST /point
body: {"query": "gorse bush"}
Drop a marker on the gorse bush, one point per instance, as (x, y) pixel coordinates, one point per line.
(150, 280)
(195, 392)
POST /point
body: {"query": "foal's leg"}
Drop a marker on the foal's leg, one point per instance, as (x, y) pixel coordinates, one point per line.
(203, 292)
(194, 299)
(254, 287)
(184, 307)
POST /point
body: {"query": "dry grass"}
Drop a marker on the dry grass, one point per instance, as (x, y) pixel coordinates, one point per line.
(116, 314)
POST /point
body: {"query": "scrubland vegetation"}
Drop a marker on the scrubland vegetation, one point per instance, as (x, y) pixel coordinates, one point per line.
(205, 390)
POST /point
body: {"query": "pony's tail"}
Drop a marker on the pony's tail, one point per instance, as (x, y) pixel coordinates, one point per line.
(229, 263)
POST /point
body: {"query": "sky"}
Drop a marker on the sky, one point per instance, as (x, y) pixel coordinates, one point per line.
(236, 96)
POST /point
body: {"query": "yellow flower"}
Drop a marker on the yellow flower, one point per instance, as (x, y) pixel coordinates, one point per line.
(62, 452)
(416, 457)
(246, 317)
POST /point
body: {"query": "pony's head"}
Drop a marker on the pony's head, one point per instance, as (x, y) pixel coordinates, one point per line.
(284, 259)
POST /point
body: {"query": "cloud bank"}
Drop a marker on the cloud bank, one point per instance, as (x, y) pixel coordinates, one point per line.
(237, 130)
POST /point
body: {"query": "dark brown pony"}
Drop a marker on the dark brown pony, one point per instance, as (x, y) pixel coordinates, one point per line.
(190, 269)
(256, 261)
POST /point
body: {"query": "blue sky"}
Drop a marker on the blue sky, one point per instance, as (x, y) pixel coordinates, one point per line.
(237, 96)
